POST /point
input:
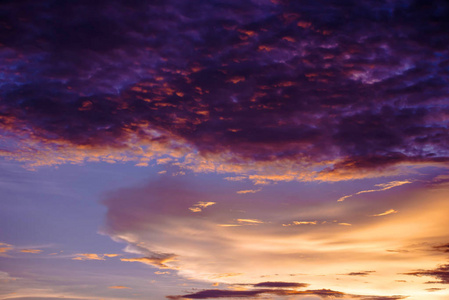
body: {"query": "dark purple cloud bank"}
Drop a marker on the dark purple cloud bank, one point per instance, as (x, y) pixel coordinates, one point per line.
(365, 82)
(213, 294)
(322, 293)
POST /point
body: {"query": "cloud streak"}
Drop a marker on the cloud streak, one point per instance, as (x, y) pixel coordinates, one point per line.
(92, 256)
(388, 212)
(382, 187)
(159, 261)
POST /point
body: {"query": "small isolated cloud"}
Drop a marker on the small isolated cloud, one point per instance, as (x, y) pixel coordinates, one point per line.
(281, 284)
(235, 178)
(88, 256)
(296, 223)
(388, 212)
(242, 222)
(110, 255)
(6, 278)
(155, 261)
(161, 273)
(118, 287)
(224, 275)
(31, 251)
(5, 247)
(441, 273)
(381, 187)
(92, 256)
(248, 191)
(249, 221)
(362, 273)
(198, 207)
(345, 224)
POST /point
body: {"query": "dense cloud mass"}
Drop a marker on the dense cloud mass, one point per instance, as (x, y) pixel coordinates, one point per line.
(291, 294)
(334, 85)
(215, 294)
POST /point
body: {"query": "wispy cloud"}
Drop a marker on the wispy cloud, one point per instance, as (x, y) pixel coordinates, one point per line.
(388, 212)
(295, 223)
(382, 187)
(248, 191)
(35, 251)
(250, 221)
(280, 284)
(256, 243)
(362, 273)
(92, 256)
(119, 287)
(198, 207)
(88, 256)
(5, 248)
(161, 273)
(156, 261)
(226, 275)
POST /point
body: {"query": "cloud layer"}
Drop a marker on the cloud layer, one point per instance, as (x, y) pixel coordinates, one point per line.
(239, 240)
(333, 87)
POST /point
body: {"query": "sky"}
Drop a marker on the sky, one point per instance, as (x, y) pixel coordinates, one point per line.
(224, 149)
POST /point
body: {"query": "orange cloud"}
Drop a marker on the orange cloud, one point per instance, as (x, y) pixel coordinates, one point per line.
(118, 287)
(88, 256)
(304, 24)
(159, 262)
(248, 191)
(382, 187)
(92, 256)
(5, 247)
(198, 207)
(110, 255)
(301, 223)
(250, 221)
(388, 212)
(161, 273)
(236, 79)
(224, 275)
(31, 251)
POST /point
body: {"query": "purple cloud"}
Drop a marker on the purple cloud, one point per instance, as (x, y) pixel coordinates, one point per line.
(322, 293)
(441, 273)
(363, 273)
(212, 294)
(280, 284)
(349, 85)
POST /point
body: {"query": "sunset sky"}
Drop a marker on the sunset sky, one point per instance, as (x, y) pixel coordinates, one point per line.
(224, 149)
